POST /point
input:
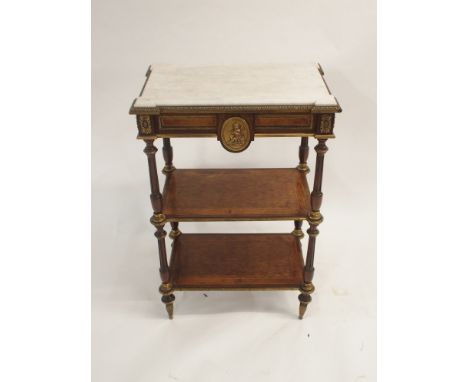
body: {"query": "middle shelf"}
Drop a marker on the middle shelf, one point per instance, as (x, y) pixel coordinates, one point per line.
(236, 194)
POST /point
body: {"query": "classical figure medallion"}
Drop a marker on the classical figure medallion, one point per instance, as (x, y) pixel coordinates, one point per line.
(235, 134)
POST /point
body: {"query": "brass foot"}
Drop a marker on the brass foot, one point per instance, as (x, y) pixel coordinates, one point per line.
(305, 298)
(169, 301)
(298, 233)
(303, 167)
(168, 298)
(302, 309)
(168, 169)
(170, 310)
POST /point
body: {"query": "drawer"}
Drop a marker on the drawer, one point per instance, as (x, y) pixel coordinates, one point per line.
(181, 121)
(275, 120)
(188, 125)
(283, 124)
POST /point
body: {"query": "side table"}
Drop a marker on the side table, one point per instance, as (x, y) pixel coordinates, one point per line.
(235, 105)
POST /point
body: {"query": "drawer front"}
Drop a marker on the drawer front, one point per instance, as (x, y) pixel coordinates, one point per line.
(188, 125)
(181, 121)
(283, 124)
(272, 120)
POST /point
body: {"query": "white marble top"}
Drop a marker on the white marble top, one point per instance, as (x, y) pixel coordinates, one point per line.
(250, 85)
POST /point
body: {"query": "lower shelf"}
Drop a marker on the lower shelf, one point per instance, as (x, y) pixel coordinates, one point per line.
(236, 261)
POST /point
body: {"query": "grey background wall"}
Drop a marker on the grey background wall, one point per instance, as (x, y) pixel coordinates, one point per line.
(232, 336)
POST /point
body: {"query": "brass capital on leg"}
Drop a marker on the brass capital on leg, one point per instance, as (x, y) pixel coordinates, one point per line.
(168, 169)
(303, 167)
(298, 229)
(298, 233)
(158, 220)
(175, 231)
(315, 218)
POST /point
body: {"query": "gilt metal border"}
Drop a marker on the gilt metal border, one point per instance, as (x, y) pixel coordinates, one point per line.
(158, 110)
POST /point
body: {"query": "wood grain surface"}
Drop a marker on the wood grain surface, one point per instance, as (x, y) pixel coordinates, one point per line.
(223, 261)
(236, 194)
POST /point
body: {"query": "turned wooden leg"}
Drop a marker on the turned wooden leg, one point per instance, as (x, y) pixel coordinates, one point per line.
(298, 229)
(303, 155)
(168, 168)
(158, 220)
(174, 230)
(303, 167)
(307, 287)
(314, 220)
(168, 156)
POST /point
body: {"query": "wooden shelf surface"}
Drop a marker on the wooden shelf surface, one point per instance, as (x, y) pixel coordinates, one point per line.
(236, 261)
(236, 194)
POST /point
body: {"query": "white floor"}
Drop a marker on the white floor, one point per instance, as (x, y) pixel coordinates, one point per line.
(234, 336)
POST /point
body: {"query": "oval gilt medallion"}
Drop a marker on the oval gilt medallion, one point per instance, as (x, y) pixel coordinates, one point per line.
(235, 134)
